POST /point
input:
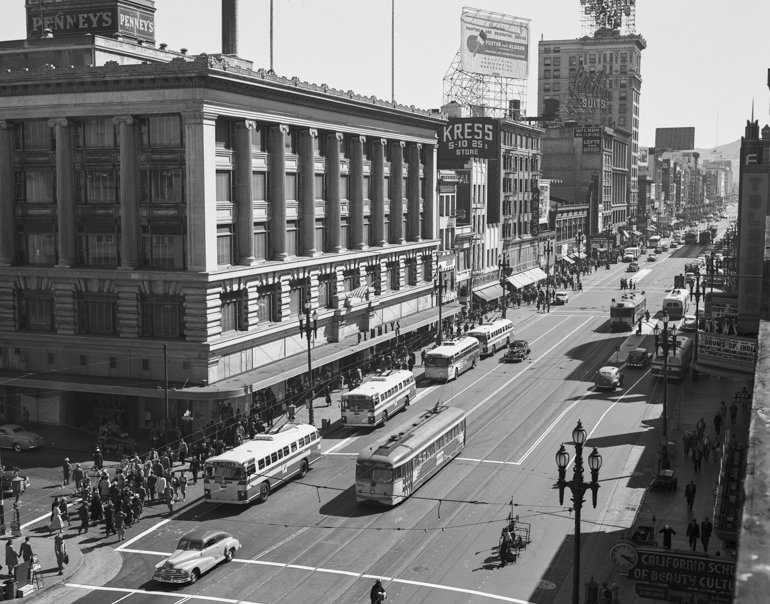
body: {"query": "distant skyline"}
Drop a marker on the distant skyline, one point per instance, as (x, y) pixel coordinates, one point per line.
(703, 57)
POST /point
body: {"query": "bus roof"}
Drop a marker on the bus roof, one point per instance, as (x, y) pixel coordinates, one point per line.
(382, 382)
(257, 446)
(400, 444)
(677, 294)
(627, 301)
(451, 347)
(491, 326)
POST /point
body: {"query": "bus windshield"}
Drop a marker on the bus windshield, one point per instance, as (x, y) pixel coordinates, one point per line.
(358, 401)
(372, 471)
(623, 312)
(227, 472)
(437, 361)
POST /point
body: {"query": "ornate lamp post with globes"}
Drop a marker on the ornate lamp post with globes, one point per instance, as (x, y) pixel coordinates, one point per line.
(310, 331)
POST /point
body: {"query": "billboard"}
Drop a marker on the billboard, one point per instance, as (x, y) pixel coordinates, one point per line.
(102, 17)
(494, 44)
(726, 351)
(592, 139)
(468, 138)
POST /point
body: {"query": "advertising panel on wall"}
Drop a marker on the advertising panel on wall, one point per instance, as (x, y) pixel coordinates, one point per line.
(592, 139)
(103, 17)
(494, 44)
(534, 208)
(545, 204)
(727, 351)
(467, 138)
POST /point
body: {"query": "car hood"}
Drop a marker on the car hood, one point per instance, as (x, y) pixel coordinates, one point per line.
(180, 557)
(31, 436)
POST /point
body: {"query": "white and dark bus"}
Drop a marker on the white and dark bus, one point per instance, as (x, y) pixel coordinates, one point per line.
(451, 359)
(493, 336)
(678, 361)
(391, 470)
(376, 401)
(676, 303)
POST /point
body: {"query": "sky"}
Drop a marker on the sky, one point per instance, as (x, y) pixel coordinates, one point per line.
(703, 58)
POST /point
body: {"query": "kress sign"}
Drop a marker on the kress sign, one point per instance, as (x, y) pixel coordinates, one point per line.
(472, 138)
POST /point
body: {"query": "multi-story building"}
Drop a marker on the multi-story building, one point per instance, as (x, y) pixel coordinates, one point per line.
(597, 81)
(195, 205)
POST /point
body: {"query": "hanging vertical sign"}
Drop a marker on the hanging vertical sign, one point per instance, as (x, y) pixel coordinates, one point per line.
(534, 209)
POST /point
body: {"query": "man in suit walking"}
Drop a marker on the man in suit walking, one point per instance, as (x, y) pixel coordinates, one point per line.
(689, 494)
(693, 533)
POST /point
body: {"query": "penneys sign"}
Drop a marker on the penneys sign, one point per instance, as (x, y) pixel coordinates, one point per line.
(684, 578)
(99, 17)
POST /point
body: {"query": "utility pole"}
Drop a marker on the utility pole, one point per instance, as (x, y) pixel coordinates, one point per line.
(165, 390)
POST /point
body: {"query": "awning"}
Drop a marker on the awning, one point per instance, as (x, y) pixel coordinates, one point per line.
(578, 255)
(360, 292)
(489, 292)
(568, 260)
(516, 281)
(637, 233)
(539, 274)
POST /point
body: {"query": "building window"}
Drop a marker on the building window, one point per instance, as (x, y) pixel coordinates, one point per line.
(266, 304)
(427, 268)
(34, 135)
(225, 244)
(592, 59)
(546, 87)
(367, 230)
(572, 73)
(259, 186)
(350, 279)
(547, 61)
(320, 236)
(556, 87)
(290, 141)
(411, 271)
(97, 247)
(224, 186)
(573, 60)
(622, 95)
(367, 187)
(296, 297)
(345, 232)
(325, 291)
(622, 108)
(546, 73)
(38, 187)
(557, 73)
(623, 83)
(622, 120)
(344, 187)
(224, 134)
(557, 61)
(259, 138)
(623, 68)
(291, 187)
(102, 186)
(162, 316)
(95, 133)
(163, 246)
(97, 313)
(623, 57)
(292, 238)
(392, 279)
(261, 241)
(36, 310)
(161, 186)
(232, 304)
(319, 186)
(161, 131)
(37, 244)
(388, 235)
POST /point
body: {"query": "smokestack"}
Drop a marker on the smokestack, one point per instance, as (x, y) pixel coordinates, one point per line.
(230, 27)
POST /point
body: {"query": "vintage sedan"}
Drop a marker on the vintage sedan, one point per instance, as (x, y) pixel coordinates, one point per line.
(560, 298)
(196, 553)
(18, 438)
(518, 350)
(689, 323)
(652, 258)
(639, 357)
(633, 267)
(608, 378)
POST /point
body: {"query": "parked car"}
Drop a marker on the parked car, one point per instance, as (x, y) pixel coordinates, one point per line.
(639, 357)
(658, 249)
(18, 438)
(652, 258)
(561, 298)
(689, 323)
(196, 553)
(672, 245)
(633, 267)
(518, 350)
(608, 378)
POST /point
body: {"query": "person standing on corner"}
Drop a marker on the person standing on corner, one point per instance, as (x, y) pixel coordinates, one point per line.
(700, 428)
(11, 557)
(718, 419)
(25, 551)
(689, 494)
(733, 413)
(66, 469)
(98, 459)
(693, 533)
(667, 532)
(377, 595)
(60, 549)
(697, 456)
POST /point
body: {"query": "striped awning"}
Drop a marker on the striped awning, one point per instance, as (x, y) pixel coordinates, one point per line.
(360, 292)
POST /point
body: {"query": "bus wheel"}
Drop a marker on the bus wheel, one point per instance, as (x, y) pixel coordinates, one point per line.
(457, 373)
(406, 402)
(264, 491)
(303, 468)
(384, 417)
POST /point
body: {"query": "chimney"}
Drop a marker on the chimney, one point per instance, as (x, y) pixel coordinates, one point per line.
(230, 27)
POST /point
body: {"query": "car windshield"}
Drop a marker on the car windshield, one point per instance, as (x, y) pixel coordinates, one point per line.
(188, 545)
(636, 355)
(18, 429)
(519, 344)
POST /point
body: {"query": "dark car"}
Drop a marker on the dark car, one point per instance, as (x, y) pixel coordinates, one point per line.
(518, 350)
(639, 357)
(608, 378)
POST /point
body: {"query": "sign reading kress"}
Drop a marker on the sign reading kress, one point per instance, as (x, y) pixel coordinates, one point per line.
(468, 138)
(102, 17)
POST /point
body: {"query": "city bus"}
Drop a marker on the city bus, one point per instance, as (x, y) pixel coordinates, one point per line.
(654, 241)
(394, 468)
(376, 401)
(678, 361)
(626, 312)
(690, 238)
(493, 336)
(254, 469)
(451, 359)
(677, 303)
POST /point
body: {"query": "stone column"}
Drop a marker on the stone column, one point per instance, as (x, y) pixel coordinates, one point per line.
(333, 204)
(201, 191)
(356, 202)
(244, 196)
(7, 221)
(431, 200)
(65, 195)
(413, 211)
(307, 192)
(378, 192)
(278, 191)
(129, 193)
(397, 189)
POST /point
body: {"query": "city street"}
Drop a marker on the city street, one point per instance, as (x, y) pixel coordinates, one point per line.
(311, 541)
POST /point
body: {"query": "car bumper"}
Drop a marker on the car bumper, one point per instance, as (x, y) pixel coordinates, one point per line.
(167, 578)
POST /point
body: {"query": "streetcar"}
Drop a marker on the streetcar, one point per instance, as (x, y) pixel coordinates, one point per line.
(677, 303)
(626, 312)
(493, 336)
(678, 360)
(376, 401)
(391, 470)
(452, 358)
(252, 470)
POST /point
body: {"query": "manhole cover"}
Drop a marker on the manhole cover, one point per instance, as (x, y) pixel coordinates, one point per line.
(545, 584)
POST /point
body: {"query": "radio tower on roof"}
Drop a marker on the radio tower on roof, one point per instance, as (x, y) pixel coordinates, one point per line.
(617, 15)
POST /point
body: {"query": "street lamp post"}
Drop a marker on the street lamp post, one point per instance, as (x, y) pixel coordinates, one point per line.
(579, 239)
(695, 290)
(662, 340)
(548, 248)
(310, 331)
(440, 287)
(578, 487)
(504, 265)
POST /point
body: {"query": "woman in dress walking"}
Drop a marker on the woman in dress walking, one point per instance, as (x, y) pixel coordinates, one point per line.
(56, 521)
